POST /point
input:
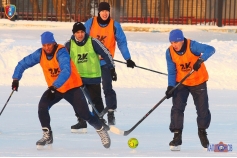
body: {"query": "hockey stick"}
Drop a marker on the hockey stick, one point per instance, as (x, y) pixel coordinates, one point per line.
(100, 115)
(125, 133)
(142, 68)
(7, 101)
(92, 104)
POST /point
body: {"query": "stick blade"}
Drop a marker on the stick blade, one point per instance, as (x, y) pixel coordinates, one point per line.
(115, 130)
(126, 133)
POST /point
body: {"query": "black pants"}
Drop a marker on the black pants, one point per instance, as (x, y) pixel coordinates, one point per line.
(110, 94)
(200, 98)
(76, 98)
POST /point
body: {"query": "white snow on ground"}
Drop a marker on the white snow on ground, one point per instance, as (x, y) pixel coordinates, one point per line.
(138, 90)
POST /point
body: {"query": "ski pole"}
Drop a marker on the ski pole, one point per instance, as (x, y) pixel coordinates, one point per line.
(142, 68)
(125, 133)
(7, 101)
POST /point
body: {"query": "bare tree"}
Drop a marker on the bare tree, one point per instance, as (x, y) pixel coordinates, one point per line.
(60, 7)
(45, 9)
(36, 9)
(164, 9)
(82, 10)
(5, 2)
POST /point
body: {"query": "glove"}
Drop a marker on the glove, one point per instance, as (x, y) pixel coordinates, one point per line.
(15, 85)
(130, 63)
(197, 64)
(51, 93)
(168, 95)
(113, 74)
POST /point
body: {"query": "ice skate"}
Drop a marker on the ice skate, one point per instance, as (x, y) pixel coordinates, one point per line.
(47, 139)
(80, 127)
(111, 118)
(203, 138)
(175, 144)
(105, 139)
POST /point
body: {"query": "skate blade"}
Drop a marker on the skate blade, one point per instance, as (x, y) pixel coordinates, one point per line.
(80, 131)
(175, 148)
(44, 147)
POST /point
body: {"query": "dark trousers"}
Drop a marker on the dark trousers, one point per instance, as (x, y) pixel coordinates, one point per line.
(200, 98)
(110, 95)
(94, 91)
(76, 98)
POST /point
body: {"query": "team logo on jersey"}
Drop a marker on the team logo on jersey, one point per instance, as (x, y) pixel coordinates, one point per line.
(186, 66)
(10, 10)
(82, 58)
(101, 38)
(54, 72)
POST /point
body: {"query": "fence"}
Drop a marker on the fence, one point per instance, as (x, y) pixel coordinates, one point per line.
(186, 12)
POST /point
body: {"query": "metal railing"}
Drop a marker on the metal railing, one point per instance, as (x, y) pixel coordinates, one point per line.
(185, 12)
